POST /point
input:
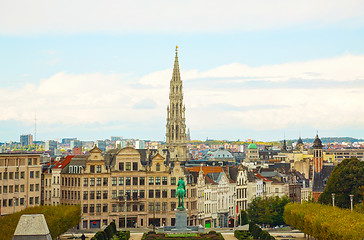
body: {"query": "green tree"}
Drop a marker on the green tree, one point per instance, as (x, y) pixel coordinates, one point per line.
(346, 179)
(243, 217)
(268, 210)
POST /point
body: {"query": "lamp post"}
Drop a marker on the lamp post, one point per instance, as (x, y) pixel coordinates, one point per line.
(234, 210)
(333, 199)
(351, 201)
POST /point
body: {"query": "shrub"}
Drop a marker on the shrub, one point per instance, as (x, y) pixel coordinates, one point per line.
(325, 222)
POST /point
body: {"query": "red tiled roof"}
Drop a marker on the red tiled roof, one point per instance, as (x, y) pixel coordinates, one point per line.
(210, 180)
(205, 169)
(65, 162)
(264, 178)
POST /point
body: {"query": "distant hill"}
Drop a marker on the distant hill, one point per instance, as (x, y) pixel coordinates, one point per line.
(331, 139)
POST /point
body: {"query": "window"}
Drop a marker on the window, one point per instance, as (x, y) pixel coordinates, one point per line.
(157, 193)
(121, 207)
(141, 193)
(151, 207)
(21, 188)
(5, 175)
(36, 200)
(31, 200)
(141, 181)
(135, 207)
(151, 180)
(92, 195)
(173, 181)
(5, 189)
(157, 181)
(113, 194)
(31, 188)
(98, 181)
(85, 182)
(158, 167)
(11, 175)
(21, 201)
(121, 166)
(0, 175)
(85, 195)
(113, 181)
(104, 194)
(98, 194)
(164, 206)
(128, 166)
(22, 174)
(151, 193)
(164, 180)
(128, 207)
(173, 206)
(157, 206)
(173, 193)
(127, 193)
(164, 193)
(16, 175)
(127, 181)
(135, 166)
(121, 181)
(85, 208)
(92, 170)
(29, 161)
(36, 187)
(10, 189)
(135, 194)
(98, 169)
(5, 202)
(105, 180)
(113, 208)
(121, 193)
(92, 208)
(37, 174)
(104, 207)
(10, 202)
(135, 181)
(141, 207)
(31, 174)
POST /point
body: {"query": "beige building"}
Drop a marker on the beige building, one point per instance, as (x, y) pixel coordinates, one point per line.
(20, 182)
(342, 154)
(136, 184)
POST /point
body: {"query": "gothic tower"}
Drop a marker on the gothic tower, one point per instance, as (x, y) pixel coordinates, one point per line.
(317, 155)
(176, 121)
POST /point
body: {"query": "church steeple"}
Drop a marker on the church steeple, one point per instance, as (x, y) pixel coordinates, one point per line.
(176, 123)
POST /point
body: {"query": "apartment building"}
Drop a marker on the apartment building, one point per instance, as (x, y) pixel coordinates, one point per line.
(20, 182)
(134, 188)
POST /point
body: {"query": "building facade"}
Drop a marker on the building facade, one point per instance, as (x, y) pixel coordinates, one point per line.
(20, 182)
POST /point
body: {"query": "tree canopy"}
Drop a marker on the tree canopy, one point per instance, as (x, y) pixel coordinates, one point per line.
(346, 179)
(268, 210)
(59, 219)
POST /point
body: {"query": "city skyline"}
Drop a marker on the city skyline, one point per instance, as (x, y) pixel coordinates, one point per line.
(249, 70)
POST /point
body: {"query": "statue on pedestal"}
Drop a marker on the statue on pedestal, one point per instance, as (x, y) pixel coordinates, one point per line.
(181, 193)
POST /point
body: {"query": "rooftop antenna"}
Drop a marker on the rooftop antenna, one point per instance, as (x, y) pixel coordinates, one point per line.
(35, 130)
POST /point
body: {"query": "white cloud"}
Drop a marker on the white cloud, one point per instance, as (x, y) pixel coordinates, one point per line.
(38, 16)
(332, 99)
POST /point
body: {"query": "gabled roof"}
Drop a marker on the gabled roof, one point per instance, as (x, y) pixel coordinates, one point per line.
(64, 163)
(263, 178)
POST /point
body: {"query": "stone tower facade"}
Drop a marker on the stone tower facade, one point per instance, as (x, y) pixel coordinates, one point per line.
(317, 155)
(176, 122)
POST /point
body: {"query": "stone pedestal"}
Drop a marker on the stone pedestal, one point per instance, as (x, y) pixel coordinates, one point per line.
(32, 227)
(181, 221)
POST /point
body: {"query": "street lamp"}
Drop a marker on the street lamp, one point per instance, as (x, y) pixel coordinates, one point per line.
(234, 209)
(351, 201)
(333, 199)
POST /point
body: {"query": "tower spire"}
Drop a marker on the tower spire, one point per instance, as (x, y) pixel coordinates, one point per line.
(176, 126)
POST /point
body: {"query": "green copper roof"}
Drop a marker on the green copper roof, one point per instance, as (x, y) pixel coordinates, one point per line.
(252, 146)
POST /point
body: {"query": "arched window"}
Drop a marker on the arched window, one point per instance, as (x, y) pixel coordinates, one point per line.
(158, 167)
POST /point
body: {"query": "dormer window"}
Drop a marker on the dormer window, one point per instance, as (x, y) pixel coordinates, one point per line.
(98, 169)
(158, 167)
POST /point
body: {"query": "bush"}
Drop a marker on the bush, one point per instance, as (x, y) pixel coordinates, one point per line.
(59, 219)
(242, 234)
(113, 227)
(325, 222)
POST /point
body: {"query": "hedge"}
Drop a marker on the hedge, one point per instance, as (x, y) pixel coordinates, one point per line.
(110, 232)
(254, 231)
(325, 222)
(59, 219)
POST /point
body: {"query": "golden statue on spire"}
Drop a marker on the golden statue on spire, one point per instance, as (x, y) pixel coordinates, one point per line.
(176, 49)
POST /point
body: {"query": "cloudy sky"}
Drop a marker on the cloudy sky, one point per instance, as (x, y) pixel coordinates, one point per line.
(251, 69)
